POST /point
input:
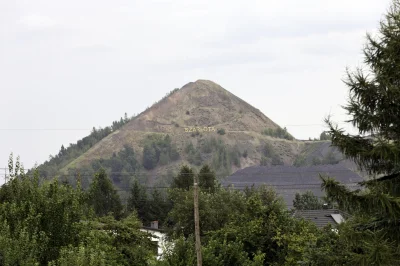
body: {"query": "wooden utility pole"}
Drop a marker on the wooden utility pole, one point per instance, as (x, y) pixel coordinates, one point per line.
(196, 223)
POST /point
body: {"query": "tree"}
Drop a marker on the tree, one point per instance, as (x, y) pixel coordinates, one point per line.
(207, 179)
(307, 201)
(185, 178)
(324, 136)
(251, 228)
(36, 221)
(48, 223)
(16, 170)
(103, 197)
(374, 105)
(159, 207)
(138, 200)
(150, 159)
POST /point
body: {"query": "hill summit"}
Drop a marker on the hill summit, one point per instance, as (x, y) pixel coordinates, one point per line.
(198, 104)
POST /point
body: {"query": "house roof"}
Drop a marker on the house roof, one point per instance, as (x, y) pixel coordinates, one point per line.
(288, 180)
(321, 217)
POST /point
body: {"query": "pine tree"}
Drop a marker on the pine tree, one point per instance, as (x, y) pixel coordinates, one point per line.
(185, 178)
(138, 200)
(103, 197)
(207, 179)
(374, 105)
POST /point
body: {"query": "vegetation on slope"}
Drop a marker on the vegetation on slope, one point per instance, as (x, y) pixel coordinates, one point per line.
(50, 168)
(278, 133)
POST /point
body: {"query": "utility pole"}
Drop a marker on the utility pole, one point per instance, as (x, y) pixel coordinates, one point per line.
(196, 223)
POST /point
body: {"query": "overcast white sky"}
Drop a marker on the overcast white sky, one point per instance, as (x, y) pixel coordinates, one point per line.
(78, 64)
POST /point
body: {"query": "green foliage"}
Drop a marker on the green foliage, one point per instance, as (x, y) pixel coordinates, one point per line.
(235, 155)
(36, 221)
(324, 136)
(307, 201)
(159, 206)
(185, 178)
(65, 156)
(149, 207)
(264, 161)
(109, 242)
(103, 197)
(374, 104)
(120, 166)
(150, 159)
(250, 228)
(215, 210)
(138, 200)
(223, 157)
(207, 179)
(195, 158)
(300, 161)
(181, 253)
(278, 133)
(330, 158)
(221, 131)
(158, 150)
(189, 148)
(51, 224)
(269, 156)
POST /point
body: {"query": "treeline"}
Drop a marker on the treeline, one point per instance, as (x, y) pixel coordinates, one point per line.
(279, 132)
(328, 158)
(51, 167)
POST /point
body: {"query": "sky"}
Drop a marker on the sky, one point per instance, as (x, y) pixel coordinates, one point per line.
(69, 66)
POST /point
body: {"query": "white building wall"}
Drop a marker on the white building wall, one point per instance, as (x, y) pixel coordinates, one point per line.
(160, 238)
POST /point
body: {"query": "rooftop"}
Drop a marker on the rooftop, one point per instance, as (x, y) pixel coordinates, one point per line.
(321, 217)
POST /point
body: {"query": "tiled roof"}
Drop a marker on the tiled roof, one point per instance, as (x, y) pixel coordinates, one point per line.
(288, 180)
(320, 217)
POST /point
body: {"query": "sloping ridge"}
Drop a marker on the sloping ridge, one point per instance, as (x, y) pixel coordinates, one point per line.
(197, 104)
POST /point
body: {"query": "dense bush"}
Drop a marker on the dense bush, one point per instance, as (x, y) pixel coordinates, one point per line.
(278, 133)
(221, 131)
